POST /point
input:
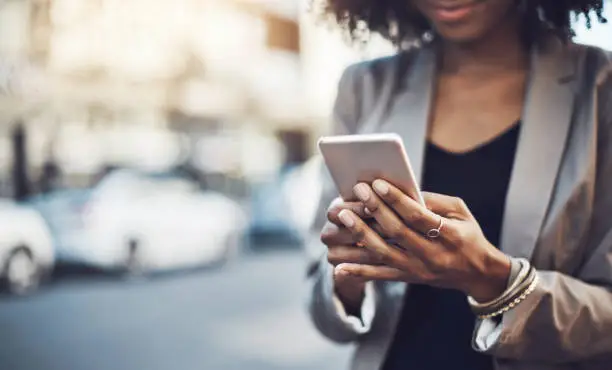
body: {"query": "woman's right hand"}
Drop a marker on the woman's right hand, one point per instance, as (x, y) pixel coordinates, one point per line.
(342, 248)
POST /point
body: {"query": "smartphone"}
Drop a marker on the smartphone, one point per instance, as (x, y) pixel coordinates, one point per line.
(353, 159)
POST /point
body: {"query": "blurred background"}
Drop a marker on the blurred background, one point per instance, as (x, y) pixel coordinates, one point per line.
(158, 176)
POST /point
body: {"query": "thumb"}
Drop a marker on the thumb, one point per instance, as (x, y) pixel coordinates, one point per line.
(348, 286)
(342, 277)
(447, 206)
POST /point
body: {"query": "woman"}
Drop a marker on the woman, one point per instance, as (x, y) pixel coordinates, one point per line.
(508, 124)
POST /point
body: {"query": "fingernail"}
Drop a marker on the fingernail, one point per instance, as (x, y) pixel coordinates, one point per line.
(381, 187)
(341, 271)
(367, 211)
(346, 218)
(362, 191)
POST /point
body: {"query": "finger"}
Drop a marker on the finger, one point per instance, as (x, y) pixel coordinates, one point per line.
(340, 254)
(369, 272)
(371, 240)
(339, 205)
(447, 206)
(332, 234)
(354, 283)
(411, 212)
(411, 243)
(377, 228)
(390, 224)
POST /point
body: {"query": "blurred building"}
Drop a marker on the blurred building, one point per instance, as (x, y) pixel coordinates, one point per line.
(228, 86)
(210, 59)
(14, 53)
(124, 78)
(325, 54)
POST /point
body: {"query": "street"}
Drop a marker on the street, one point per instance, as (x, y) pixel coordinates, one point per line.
(249, 315)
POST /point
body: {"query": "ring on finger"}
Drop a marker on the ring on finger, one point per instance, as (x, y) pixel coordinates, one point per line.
(435, 233)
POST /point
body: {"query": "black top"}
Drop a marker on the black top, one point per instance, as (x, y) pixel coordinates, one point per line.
(435, 328)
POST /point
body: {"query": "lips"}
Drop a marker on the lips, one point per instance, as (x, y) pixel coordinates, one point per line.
(455, 4)
(454, 12)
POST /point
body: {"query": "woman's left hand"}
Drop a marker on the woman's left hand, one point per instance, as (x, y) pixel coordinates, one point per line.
(460, 257)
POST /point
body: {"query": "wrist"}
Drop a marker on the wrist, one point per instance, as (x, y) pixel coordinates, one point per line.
(491, 280)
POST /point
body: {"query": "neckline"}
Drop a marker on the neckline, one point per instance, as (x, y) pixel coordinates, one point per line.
(510, 130)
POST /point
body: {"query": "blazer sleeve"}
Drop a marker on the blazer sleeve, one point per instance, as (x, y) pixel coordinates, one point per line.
(567, 319)
(326, 311)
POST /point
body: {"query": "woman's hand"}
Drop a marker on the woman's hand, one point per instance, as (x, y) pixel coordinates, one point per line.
(342, 248)
(459, 258)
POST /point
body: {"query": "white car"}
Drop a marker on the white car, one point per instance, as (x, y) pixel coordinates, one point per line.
(26, 248)
(142, 223)
(302, 189)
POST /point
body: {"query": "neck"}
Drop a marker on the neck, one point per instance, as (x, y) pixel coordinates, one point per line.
(502, 49)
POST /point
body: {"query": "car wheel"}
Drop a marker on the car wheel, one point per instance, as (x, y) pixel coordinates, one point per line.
(134, 266)
(22, 274)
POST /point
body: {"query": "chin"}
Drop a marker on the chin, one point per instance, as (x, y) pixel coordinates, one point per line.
(466, 36)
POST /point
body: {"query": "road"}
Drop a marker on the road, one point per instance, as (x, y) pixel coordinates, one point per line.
(249, 315)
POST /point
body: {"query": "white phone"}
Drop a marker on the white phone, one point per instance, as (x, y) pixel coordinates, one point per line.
(353, 159)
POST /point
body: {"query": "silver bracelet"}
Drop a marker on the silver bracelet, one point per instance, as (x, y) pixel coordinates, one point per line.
(522, 275)
(513, 303)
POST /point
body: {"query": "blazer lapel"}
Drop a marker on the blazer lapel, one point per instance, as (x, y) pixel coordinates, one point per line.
(409, 109)
(545, 126)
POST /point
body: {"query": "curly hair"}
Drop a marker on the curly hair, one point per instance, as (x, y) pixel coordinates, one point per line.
(398, 23)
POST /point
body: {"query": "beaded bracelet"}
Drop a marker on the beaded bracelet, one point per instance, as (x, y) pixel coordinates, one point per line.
(521, 277)
(522, 286)
(513, 303)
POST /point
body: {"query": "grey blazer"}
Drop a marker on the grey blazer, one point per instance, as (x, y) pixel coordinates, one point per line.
(558, 212)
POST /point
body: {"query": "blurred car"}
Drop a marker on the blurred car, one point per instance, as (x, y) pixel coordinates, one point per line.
(302, 188)
(283, 210)
(26, 248)
(137, 222)
(270, 223)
